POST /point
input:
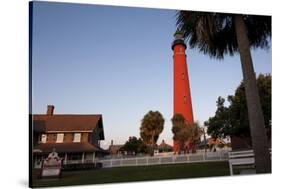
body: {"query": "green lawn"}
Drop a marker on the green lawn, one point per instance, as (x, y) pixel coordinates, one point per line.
(129, 174)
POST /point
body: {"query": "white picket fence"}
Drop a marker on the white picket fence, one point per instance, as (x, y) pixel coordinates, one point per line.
(160, 160)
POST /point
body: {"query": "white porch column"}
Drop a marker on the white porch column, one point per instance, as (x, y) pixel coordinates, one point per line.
(83, 157)
(65, 158)
(94, 157)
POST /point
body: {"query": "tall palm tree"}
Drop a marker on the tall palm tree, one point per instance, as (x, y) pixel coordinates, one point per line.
(180, 131)
(152, 125)
(220, 34)
(194, 134)
(185, 133)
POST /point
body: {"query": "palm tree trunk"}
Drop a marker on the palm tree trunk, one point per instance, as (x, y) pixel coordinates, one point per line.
(256, 119)
(152, 144)
(205, 146)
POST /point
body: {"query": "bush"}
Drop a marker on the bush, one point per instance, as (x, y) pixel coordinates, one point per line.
(80, 166)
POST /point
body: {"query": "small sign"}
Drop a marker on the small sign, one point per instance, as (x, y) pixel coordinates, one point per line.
(52, 165)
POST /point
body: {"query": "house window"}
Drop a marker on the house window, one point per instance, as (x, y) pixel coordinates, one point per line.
(182, 76)
(60, 138)
(184, 99)
(43, 138)
(77, 137)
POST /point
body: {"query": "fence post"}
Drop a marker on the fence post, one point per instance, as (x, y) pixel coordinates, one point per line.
(110, 162)
(146, 160)
(204, 158)
(230, 169)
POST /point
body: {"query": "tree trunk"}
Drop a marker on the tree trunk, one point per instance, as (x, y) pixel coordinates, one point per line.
(256, 119)
(205, 146)
(152, 144)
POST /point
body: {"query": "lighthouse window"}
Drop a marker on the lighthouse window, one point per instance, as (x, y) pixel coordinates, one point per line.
(182, 75)
(184, 99)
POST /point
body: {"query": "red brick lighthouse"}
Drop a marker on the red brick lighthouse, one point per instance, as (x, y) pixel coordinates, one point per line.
(182, 96)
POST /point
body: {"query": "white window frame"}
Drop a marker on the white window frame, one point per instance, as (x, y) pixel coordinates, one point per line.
(60, 137)
(77, 137)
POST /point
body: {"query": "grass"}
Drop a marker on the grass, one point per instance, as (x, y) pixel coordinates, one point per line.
(129, 174)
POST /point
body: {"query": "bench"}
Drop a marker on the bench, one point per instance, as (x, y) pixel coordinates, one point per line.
(245, 157)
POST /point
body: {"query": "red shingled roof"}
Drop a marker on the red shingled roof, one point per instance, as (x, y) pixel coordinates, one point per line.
(60, 122)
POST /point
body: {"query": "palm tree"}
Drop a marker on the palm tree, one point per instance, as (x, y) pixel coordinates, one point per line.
(194, 134)
(220, 34)
(179, 130)
(152, 125)
(185, 133)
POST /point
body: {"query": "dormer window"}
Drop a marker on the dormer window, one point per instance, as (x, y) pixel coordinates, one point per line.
(60, 137)
(77, 137)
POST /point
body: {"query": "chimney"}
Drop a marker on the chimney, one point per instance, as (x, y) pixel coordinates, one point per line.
(111, 142)
(50, 109)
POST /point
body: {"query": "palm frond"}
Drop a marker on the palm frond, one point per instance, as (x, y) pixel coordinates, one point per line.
(214, 33)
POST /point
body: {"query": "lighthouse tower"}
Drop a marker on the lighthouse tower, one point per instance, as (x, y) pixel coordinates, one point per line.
(182, 96)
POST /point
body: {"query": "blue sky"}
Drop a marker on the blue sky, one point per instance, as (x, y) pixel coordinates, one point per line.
(117, 61)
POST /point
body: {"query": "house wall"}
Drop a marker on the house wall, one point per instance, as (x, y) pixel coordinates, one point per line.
(84, 137)
(68, 137)
(36, 138)
(94, 138)
(51, 138)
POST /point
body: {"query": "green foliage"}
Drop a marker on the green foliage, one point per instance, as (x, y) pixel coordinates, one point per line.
(178, 128)
(219, 125)
(152, 125)
(184, 131)
(214, 33)
(194, 131)
(233, 120)
(134, 145)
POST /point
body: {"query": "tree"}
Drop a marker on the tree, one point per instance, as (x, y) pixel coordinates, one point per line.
(152, 125)
(185, 133)
(134, 145)
(220, 34)
(194, 134)
(219, 126)
(233, 120)
(180, 132)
